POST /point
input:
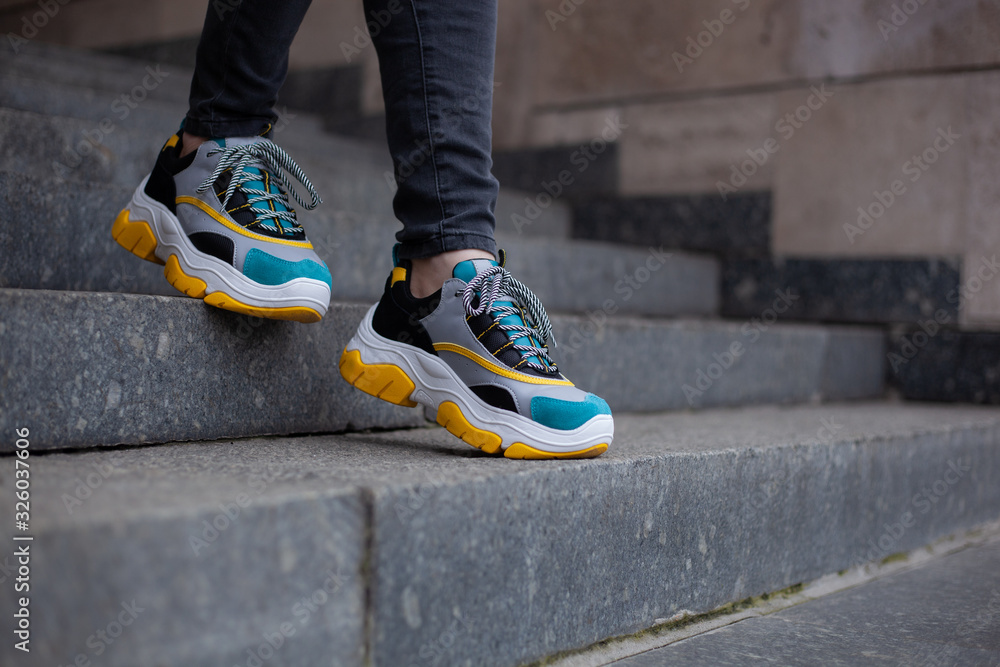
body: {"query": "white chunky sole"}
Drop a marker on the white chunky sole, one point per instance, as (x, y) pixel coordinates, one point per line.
(405, 375)
(149, 230)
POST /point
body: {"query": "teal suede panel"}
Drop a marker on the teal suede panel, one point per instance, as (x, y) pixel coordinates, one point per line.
(270, 270)
(567, 415)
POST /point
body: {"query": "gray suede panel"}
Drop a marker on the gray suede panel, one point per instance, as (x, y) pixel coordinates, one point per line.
(194, 219)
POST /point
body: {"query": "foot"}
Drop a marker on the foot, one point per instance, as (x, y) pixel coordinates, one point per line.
(428, 274)
(220, 220)
(476, 352)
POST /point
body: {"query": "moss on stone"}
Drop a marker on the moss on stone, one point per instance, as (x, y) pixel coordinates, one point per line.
(894, 558)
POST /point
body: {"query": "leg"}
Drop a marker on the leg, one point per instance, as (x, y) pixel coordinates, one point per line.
(454, 331)
(436, 61)
(241, 63)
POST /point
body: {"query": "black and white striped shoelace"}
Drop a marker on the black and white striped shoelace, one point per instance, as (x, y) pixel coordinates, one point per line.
(267, 156)
(496, 284)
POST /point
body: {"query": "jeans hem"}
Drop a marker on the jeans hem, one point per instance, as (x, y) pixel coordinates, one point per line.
(219, 129)
(446, 243)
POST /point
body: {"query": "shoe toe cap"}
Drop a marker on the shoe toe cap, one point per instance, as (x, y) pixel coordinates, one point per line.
(267, 269)
(567, 415)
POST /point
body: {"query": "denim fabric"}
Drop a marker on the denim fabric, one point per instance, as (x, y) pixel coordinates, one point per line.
(241, 63)
(436, 64)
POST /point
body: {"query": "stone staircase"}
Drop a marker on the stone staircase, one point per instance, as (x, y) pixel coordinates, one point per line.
(341, 530)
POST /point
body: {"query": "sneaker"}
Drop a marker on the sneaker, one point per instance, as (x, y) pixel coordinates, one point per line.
(220, 220)
(476, 353)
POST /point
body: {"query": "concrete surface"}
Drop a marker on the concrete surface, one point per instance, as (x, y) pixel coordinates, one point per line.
(945, 612)
(474, 560)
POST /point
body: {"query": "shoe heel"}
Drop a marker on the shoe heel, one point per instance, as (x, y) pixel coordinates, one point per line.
(385, 381)
(136, 236)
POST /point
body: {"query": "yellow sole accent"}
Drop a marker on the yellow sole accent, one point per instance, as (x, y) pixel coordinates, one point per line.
(181, 281)
(288, 313)
(195, 287)
(519, 450)
(136, 236)
(385, 381)
(450, 416)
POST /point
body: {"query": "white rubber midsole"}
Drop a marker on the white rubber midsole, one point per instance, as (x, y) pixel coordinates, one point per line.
(436, 383)
(220, 276)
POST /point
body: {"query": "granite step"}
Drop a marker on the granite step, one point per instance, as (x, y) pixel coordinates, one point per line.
(407, 547)
(105, 368)
(352, 177)
(89, 87)
(71, 248)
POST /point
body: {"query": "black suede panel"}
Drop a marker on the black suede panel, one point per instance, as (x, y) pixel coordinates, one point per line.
(239, 210)
(160, 185)
(494, 339)
(397, 317)
(236, 207)
(214, 244)
(498, 397)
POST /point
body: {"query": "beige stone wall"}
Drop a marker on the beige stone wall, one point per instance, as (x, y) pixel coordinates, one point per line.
(879, 147)
(113, 23)
(982, 232)
(108, 23)
(893, 85)
(626, 49)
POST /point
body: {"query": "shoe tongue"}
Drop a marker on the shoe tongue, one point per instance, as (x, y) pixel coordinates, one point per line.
(271, 185)
(468, 270)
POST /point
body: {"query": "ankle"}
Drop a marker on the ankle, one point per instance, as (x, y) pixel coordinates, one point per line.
(190, 143)
(429, 273)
